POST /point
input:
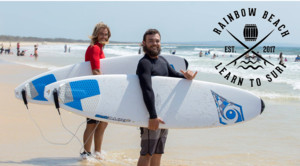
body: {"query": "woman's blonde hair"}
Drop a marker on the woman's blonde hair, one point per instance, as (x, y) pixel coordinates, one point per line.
(98, 27)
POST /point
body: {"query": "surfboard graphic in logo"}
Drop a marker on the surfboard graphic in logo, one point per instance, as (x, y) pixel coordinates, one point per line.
(229, 112)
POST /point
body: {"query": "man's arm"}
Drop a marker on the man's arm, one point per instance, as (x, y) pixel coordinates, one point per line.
(144, 74)
(94, 60)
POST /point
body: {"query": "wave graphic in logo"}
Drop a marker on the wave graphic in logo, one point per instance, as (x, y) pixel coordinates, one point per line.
(250, 66)
(248, 62)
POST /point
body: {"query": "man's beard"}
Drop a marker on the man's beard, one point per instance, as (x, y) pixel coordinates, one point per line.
(151, 52)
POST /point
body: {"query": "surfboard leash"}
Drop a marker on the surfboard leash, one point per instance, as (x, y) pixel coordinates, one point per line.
(55, 97)
(23, 92)
(24, 98)
(52, 142)
(56, 102)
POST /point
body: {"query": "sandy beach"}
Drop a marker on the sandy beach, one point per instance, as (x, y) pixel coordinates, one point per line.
(271, 139)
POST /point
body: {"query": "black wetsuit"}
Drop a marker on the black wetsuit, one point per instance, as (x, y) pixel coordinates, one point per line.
(148, 67)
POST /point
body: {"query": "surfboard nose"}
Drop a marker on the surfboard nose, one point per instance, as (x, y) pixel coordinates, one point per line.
(262, 106)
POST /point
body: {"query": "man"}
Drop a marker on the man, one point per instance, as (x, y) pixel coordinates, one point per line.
(18, 49)
(153, 139)
(66, 48)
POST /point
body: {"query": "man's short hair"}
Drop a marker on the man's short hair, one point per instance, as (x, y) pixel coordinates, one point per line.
(151, 32)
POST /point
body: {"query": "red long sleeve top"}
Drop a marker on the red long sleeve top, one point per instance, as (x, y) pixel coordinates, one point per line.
(94, 54)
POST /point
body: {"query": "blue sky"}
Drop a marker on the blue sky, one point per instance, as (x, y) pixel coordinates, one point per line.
(177, 21)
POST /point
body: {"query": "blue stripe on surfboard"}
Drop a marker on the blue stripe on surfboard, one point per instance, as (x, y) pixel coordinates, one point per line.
(172, 66)
(40, 84)
(101, 116)
(82, 89)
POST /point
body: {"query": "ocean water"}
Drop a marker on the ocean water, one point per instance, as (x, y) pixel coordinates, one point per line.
(285, 87)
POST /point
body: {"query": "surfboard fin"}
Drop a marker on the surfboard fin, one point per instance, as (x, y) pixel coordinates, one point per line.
(55, 96)
(186, 64)
(24, 98)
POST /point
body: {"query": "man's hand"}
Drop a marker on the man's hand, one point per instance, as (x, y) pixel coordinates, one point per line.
(96, 72)
(189, 74)
(154, 123)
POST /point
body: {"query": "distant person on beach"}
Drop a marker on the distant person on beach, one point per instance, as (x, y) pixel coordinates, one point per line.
(200, 54)
(95, 129)
(22, 53)
(2, 49)
(214, 56)
(69, 49)
(6, 51)
(140, 49)
(258, 58)
(247, 56)
(281, 59)
(66, 48)
(174, 52)
(297, 59)
(18, 49)
(36, 51)
(153, 139)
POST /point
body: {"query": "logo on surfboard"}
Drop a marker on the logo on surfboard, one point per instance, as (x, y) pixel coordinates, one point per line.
(229, 112)
(256, 63)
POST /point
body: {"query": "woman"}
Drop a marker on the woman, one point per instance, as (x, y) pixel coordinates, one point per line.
(95, 129)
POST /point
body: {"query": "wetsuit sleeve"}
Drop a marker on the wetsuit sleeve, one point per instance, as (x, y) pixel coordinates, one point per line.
(95, 61)
(144, 74)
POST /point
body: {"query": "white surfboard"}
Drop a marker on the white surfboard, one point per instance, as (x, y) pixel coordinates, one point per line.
(34, 87)
(180, 103)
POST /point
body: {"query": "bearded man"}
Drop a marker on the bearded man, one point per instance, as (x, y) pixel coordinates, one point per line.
(153, 139)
